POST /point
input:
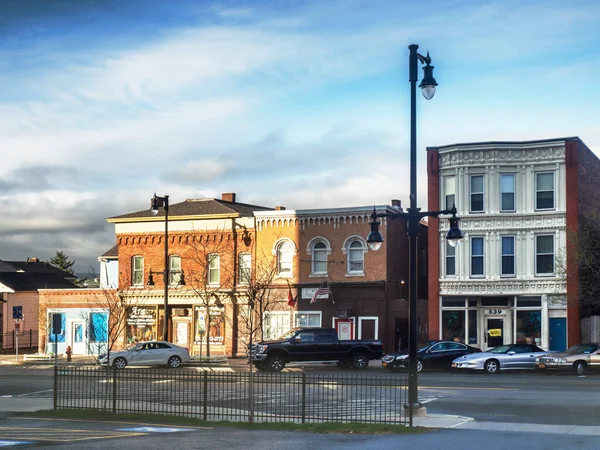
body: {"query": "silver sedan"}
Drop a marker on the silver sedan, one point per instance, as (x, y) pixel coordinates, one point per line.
(503, 357)
(148, 354)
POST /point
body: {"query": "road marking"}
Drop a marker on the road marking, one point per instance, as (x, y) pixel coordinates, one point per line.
(469, 388)
(36, 392)
(13, 443)
(59, 434)
(155, 429)
(120, 422)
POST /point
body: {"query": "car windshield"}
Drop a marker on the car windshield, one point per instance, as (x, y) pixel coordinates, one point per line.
(288, 335)
(581, 348)
(500, 349)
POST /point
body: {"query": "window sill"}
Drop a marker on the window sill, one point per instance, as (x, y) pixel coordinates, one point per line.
(318, 275)
(284, 276)
(356, 274)
(508, 276)
(544, 209)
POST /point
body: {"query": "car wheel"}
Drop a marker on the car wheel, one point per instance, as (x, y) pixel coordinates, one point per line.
(120, 363)
(360, 361)
(419, 365)
(491, 366)
(276, 363)
(261, 367)
(174, 362)
(579, 367)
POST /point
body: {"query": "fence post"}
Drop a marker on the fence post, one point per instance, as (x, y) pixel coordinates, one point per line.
(303, 397)
(205, 396)
(13, 346)
(55, 387)
(114, 402)
(31, 339)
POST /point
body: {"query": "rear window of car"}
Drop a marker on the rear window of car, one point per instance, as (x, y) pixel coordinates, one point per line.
(582, 348)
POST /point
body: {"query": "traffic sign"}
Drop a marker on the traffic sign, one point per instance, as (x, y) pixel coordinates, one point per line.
(17, 312)
(17, 326)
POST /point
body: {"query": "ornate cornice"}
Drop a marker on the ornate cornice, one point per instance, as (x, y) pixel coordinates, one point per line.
(503, 287)
(556, 221)
(493, 156)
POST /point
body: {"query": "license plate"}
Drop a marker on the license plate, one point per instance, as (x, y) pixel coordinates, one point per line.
(384, 364)
(454, 365)
(542, 366)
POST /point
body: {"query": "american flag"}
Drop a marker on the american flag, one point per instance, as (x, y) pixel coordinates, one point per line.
(321, 291)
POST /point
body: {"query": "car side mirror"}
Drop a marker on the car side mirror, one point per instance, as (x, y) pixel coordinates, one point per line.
(511, 353)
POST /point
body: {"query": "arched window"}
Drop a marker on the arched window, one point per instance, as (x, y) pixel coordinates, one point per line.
(285, 259)
(318, 249)
(137, 270)
(174, 269)
(244, 268)
(356, 257)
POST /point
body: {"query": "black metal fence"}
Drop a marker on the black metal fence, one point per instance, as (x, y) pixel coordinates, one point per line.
(260, 397)
(25, 339)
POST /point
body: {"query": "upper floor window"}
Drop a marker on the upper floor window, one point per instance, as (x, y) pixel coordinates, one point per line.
(544, 190)
(449, 192)
(174, 269)
(544, 255)
(285, 258)
(476, 193)
(507, 192)
(319, 250)
(450, 260)
(137, 270)
(245, 268)
(477, 256)
(356, 257)
(508, 255)
(214, 268)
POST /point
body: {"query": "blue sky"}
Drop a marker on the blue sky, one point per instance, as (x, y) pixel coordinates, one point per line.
(296, 103)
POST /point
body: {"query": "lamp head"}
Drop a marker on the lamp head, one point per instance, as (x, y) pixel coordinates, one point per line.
(455, 235)
(181, 280)
(154, 205)
(375, 238)
(150, 280)
(428, 83)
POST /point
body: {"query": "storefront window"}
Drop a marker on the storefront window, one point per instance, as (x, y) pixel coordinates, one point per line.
(276, 324)
(213, 326)
(472, 327)
(453, 326)
(308, 319)
(141, 324)
(529, 327)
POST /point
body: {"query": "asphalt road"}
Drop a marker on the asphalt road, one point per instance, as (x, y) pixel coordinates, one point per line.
(524, 397)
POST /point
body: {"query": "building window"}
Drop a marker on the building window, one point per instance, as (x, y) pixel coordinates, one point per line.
(319, 258)
(477, 193)
(98, 329)
(450, 260)
(544, 190)
(508, 255)
(285, 258)
(137, 270)
(174, 269)
(529, 327)
(477, 262)
(449, 192)
(356, 257)
(507, 192)
(245, 268)
(453, 326)
(276, 324)
(544, 255)
(307, 319)
(214, 269)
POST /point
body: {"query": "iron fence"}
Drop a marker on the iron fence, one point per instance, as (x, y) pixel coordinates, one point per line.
(260, 397)
(25, 339)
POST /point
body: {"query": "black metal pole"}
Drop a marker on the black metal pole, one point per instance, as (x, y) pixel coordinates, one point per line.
(166, 272)
(413, 230)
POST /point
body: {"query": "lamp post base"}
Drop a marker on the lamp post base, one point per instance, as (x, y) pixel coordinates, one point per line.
(418, 409)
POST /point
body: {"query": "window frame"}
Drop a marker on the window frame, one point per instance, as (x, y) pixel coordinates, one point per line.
(266, 317)
(449, 181)
(482, 193)
(513, 255)
(244, 272)
(545, 274)
(324, 250)
(447, 257)
(308, 313)
(350, 251)
(135, 272)
(545, 172)
(211, 258)
(513, 192)
(174, 273)
(482, 256)
(279, 253)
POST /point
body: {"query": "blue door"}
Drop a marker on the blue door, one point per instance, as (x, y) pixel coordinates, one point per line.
(558, 334)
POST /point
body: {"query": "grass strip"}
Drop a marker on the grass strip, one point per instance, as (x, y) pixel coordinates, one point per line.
(157, 419)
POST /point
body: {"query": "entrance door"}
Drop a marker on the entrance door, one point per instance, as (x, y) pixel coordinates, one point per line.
(558, 334)
(344, 328)
(182, 333)
(77, 337)
(494, 332)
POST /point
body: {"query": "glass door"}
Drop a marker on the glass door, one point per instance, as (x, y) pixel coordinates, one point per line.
(494, 332)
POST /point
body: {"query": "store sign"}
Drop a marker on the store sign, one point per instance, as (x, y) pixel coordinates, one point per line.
(141, 316)
(496, 332)
(495, 311)
(307, 293)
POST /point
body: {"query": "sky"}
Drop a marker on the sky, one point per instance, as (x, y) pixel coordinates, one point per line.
(284, 102)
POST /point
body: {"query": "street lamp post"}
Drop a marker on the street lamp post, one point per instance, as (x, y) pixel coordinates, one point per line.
(413, 217)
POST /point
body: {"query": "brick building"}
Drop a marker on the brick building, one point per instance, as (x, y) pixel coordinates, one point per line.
(520, 203)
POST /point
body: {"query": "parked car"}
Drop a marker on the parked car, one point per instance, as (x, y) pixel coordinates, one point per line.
(314, 344)
(148, 354)
(503, 357)
(578, 358)
(435, 355)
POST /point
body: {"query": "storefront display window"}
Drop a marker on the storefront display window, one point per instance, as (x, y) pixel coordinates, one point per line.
(472, 327)
(453, 325)
(308, 319)
(529, 327)
(276, 324)
(141, 324)
(213, 326)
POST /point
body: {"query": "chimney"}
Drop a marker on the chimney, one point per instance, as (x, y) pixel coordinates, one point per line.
(228, 197)
(280, 208)
(396, 202)
(33, 260)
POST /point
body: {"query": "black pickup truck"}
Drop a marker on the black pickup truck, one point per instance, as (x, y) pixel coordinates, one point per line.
(314, 344)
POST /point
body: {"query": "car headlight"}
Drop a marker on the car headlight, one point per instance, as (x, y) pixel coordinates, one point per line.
(261, 348)
(402, 357)
(560, 360)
